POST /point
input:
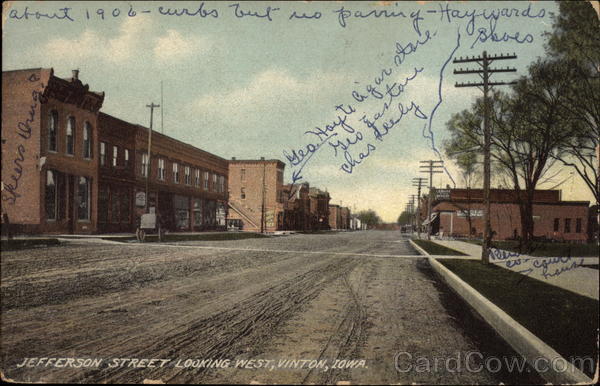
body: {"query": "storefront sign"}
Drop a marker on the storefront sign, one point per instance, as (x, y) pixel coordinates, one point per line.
(140, 199)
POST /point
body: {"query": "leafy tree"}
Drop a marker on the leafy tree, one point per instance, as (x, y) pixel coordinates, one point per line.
(405, 218)
(467, 162)
(574, 45)
(527, 129)
(369, 217)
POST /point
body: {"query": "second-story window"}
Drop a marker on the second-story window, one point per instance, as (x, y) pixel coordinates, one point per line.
(102, 153)
(214, 184)
(175, 172)
(52, 129)
(87, 140)
(205, 180)
(71, 135)
(187, 176)
(197, 177)
(243, 174)
(221, 184)
(126, 158)
(115, 156)
(161, 169)
(243, 193)
(145, 165)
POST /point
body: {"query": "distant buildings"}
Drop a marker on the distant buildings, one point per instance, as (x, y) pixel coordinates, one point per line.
(69, 168)
(258, 199)
(452, 209)
(339, 217)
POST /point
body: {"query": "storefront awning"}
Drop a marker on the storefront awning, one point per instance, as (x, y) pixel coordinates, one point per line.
(431, 219)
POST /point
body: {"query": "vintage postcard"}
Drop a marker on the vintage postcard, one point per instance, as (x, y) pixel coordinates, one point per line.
(340, 192)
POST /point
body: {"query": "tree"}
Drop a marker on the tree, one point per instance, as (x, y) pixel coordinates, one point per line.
(467, 162)
(574, 45)
(405, 218)
(369, 217)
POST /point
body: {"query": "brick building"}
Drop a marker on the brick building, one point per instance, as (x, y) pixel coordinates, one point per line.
(67, 168)
(335, 217)
(49, 158)
(339, 217)
(256, 195)
(319, 209)
(187, 185)
(116, 177)
(297, 207)
(553, 218)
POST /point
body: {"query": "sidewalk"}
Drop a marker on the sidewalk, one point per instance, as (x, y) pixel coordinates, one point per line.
(564, 272)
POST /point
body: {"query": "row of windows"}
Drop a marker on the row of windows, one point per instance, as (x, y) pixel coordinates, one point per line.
(116, 159)
(70, 137)
(567, 225)
(199, 178)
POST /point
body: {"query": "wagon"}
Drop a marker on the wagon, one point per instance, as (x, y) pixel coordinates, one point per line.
(149, 224)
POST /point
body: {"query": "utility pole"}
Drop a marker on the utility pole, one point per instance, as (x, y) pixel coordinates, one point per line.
(485, 72)
(430, 167)
(152, 106)
(162, 115)
(413, 197)
(418, 182)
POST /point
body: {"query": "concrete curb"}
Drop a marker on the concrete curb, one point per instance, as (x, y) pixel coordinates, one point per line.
(533, 349)
(419, 249)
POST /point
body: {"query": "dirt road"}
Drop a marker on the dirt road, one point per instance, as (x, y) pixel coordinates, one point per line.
(208, 308)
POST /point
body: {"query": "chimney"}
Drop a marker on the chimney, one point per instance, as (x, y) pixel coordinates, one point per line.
(75, 74)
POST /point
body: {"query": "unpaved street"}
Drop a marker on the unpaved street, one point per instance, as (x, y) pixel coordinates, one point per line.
(347, 296)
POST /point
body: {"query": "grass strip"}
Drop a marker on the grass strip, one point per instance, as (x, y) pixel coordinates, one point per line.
(434, 248)
(545, 249)
(566, 321)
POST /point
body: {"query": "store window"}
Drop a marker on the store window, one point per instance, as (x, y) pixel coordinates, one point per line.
(197, 212)
(83, 198)
(182, 212)
(50, 198)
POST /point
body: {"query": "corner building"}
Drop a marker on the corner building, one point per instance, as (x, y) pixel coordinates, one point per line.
(49, 152)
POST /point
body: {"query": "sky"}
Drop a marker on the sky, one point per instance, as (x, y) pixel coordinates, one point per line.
(242, 80)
